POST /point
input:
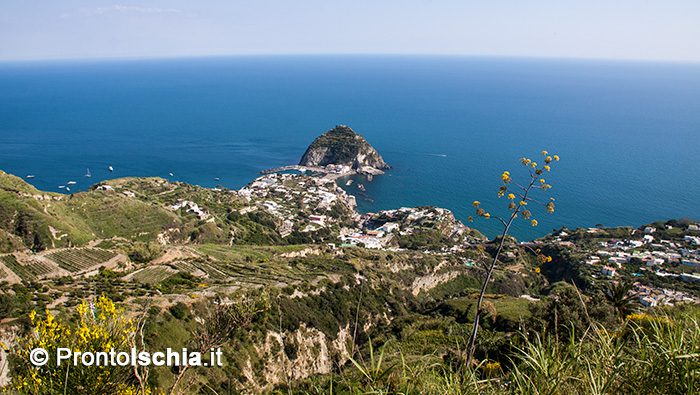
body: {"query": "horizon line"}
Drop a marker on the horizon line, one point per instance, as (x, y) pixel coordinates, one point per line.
(349, 54)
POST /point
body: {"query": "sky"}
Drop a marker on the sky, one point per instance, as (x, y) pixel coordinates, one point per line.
(618, 29)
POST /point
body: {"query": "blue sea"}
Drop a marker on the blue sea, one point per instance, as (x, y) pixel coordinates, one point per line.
(628, 133)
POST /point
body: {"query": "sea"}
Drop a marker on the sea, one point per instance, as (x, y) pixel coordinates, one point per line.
(627, 132)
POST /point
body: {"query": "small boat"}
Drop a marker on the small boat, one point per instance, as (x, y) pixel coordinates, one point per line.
(31, 176)
(369, 200)
(347, 184)
(361, 187)
(88, 175)
(111, 168)
(61, 186)
(216, 178)
(67, 189)
(71, 182)
(171, 174)
(370, 177)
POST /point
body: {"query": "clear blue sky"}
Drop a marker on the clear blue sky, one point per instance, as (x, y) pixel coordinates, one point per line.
(615, 29)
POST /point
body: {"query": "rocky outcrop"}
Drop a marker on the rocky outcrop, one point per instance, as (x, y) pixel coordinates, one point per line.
(342, 146)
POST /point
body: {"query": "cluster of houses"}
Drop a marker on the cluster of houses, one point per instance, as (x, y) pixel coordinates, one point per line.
(191, 207)
(283, 194)
(109, 188)
(338, 169)
(652, 296)
(402, 221)
(614, 254)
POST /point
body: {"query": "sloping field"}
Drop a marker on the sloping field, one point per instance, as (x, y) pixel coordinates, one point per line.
(26, 271)
(80, 259)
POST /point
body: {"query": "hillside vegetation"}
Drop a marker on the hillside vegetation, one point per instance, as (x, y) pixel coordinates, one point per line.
(338, 318)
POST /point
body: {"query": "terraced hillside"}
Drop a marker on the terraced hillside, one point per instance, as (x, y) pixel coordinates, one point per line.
(76, 260)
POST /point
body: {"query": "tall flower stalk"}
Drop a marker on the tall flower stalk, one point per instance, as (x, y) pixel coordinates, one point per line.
(518, 195)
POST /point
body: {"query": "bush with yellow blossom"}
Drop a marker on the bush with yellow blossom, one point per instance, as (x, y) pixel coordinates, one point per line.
(518, 197)
(101, 327)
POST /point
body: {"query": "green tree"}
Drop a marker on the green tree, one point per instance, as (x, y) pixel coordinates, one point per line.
(618, 296)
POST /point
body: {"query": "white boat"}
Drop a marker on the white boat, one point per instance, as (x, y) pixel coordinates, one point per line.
(61, 186)
(31, 176)
(111, 168)
(88, 175)
(347, 184)
(71, 182)
(171, 174)
(216, 178)
(67, 189)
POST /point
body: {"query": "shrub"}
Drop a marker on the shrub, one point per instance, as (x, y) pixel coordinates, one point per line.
(100, 328)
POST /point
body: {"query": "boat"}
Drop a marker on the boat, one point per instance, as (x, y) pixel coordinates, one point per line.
(171, 174)
(67, 189)
(216, 178)
(361, 187)
(370, 177)
(88, 175)
(71, 182)
(369, 200)
(31, 176)
(347, 184)
(111, 168)
(61, 186)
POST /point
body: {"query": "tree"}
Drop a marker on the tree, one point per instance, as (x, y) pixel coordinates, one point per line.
(519, 194)
(618, 296)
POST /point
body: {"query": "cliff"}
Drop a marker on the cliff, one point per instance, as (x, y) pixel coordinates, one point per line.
(342, 146)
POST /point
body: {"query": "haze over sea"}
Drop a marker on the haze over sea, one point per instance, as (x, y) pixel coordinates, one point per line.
(628, 133)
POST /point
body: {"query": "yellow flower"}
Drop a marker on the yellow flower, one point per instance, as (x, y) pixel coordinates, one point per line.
(476, 203)
(487, 215)
(556, 158)
(470, 218)
(546, 168)
(511, 196)
(541, 180)
(505, 177)
(544, 152)
(523, 203)
(493, 365)
(500, 193)
(547, 159)
(537, 270)
(534, 222)
(533, 164)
